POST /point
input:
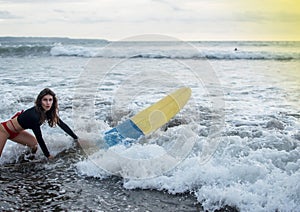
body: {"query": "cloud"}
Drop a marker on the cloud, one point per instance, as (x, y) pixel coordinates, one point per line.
(287, 17)
(250, 16)
(170, 4)
(7, 15)
(260, 16)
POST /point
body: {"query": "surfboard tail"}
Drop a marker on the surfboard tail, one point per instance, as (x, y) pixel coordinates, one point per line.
(127, 132)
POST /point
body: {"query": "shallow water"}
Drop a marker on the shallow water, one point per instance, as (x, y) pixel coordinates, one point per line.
(56, 185)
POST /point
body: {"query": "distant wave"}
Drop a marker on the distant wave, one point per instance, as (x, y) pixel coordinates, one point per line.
(247, 55)
(42, 46)
(23, 51)
(80, 51)
(92, 49)
(77, 51)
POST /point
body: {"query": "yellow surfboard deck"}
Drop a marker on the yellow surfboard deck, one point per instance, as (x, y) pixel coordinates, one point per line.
(158, 114)
(149, 119)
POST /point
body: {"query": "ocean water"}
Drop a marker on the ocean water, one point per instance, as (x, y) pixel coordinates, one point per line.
(235, 145)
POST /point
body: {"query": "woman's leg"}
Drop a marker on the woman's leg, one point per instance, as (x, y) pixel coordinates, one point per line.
(3, 139)
(26, 139)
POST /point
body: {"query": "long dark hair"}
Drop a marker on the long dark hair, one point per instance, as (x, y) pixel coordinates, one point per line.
(50, 116)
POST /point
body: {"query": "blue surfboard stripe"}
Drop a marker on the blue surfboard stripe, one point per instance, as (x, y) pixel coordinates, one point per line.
(126, 133)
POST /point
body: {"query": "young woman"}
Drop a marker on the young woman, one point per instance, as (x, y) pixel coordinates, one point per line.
(45, 110)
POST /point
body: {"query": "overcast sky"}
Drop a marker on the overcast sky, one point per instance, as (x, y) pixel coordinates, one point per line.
(183, 19)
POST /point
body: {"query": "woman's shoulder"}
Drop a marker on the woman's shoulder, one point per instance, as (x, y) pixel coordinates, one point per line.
(31, 110)
(32, 113)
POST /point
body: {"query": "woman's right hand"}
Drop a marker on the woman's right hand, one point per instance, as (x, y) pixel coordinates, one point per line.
(50, 157)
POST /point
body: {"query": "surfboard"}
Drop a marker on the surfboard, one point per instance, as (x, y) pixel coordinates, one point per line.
(149, 119)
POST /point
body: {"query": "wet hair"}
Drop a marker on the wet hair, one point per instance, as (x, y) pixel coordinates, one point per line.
(50, 116)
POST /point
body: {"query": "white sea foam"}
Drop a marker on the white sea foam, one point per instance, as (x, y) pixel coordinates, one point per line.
(256, 165)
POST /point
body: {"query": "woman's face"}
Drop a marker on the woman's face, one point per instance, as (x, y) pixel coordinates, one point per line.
(47, 102)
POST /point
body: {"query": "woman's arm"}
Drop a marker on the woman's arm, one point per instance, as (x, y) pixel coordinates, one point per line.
(67, 129)
(38, 134)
